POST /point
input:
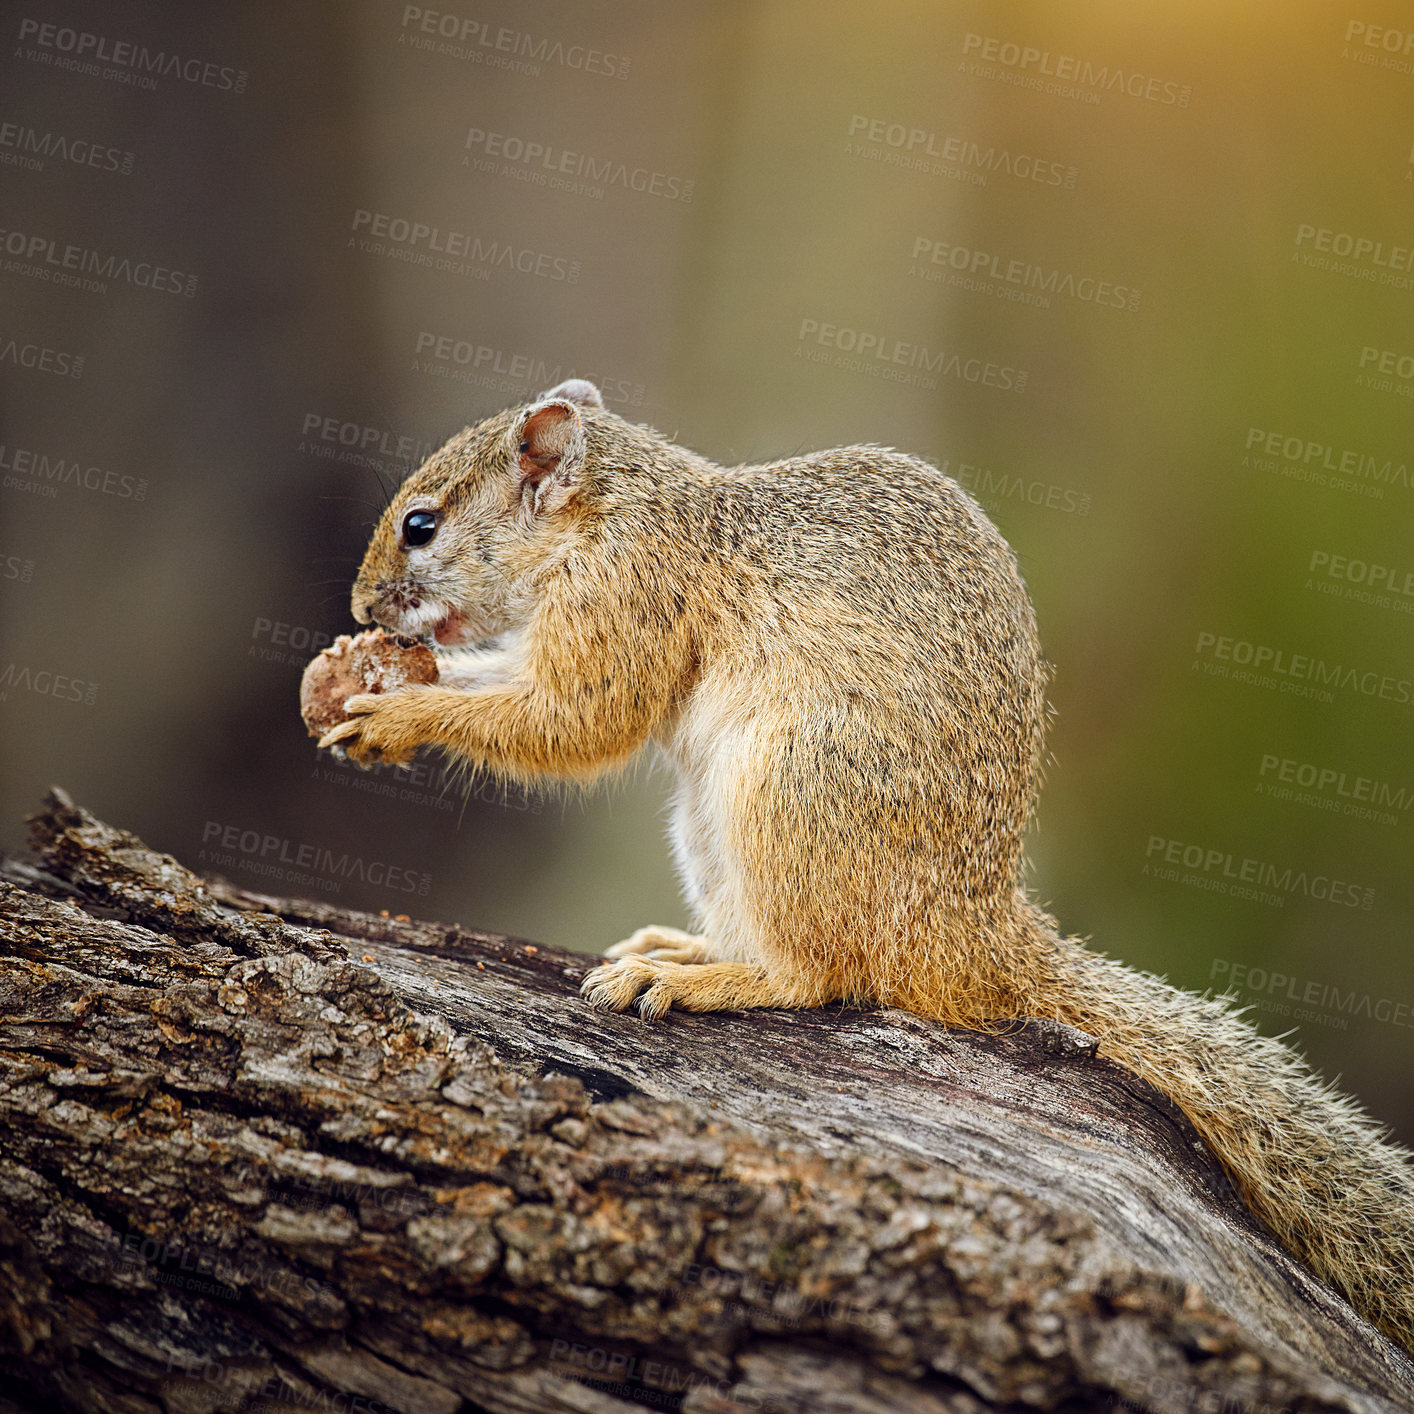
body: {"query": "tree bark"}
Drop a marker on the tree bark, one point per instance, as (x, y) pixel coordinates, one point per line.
(260, 1153)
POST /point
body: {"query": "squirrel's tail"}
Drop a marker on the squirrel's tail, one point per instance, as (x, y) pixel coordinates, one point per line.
(1305, 1158)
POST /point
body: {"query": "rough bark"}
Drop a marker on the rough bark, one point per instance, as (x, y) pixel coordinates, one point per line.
(262, 1153)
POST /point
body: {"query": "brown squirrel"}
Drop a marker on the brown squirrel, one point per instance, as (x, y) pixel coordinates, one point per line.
(838, 655)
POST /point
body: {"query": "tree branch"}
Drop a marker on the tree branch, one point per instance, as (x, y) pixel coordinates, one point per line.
(264, 1153)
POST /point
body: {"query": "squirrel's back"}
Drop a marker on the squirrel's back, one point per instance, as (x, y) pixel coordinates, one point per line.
(886, 535)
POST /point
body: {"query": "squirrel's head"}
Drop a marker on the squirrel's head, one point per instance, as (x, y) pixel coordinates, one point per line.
(456, 551)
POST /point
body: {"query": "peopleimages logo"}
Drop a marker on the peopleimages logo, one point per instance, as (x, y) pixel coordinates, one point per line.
(342, 438)
(1387, 362)
(923, 150)
(41, 358)
(20, 677)
(1362, 581)
(1300, 674)
(83, 52)
(24, 146)
(31, 469)
(560, 169)
(1360, 256)
(1331, 789)
(1038, 65)
(898, 360)
(993, 489)
(1275, 992)
(45, 258)
(291, 645)
(1387, 370)
(257, 852)
(1380, 46)
(466, 361)
(1221, 871)
(1323, 463)
(457, 252)
(499, 46)
(1022, 281)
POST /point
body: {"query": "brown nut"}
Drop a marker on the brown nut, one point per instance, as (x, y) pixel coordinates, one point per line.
(372, 661)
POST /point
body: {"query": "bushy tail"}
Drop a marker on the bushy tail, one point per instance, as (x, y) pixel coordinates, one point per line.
(1305, 1158)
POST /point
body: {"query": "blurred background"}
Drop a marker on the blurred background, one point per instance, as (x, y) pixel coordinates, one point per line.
(1142, 282)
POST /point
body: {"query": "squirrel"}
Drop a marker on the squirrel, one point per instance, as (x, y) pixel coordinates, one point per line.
(838, 655)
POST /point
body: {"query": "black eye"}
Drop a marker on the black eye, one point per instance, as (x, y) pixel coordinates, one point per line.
(524, 447)
(418, 528)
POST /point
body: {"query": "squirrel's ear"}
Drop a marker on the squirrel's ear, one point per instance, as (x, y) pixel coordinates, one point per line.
(577, 390)
(550, 448)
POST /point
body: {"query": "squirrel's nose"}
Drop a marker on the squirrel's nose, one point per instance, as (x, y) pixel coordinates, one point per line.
(359, 604)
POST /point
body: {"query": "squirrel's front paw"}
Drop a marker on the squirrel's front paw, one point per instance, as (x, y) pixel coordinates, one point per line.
(382, 726)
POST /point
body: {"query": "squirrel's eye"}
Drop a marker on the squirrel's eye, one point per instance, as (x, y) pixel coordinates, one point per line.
(418, 528)
(524, 447)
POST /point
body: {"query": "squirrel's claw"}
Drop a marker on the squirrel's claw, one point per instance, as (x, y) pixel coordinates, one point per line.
(369, 736)
(335, 737)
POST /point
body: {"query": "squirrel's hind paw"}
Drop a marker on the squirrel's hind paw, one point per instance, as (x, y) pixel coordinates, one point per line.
(701, 986)
(663, 944)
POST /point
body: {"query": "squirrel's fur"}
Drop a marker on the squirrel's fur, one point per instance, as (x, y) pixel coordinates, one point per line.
(839, 657)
